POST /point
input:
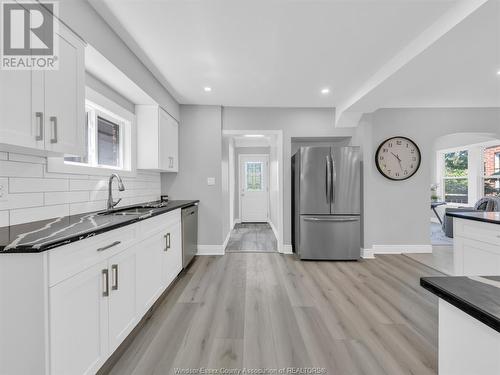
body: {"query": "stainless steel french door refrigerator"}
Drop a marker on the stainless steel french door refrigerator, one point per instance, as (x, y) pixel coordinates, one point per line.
(326, 203)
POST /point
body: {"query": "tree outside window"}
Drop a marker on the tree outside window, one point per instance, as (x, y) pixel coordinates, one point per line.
(455, 179)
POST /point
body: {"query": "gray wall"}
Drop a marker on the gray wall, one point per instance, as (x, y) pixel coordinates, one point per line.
(398, 212)
(294, 122)
(200, 155)
(80, 16)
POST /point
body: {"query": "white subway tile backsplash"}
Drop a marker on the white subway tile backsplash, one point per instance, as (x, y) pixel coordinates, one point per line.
(25, 215)
(12, 201)
(64, 175)
(88, 184)
(66, 197)
(4, 218)
(27, 158)
(80, 208)
(17, 169)
(31, 185)
(30, 193)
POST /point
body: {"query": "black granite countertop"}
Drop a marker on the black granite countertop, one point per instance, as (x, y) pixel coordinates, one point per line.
(478, 296)
(39, 236)
(487, 217)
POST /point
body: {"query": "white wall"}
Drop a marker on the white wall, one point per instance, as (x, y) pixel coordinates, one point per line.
(81, 17)
(200, 156)
(294, 122)
(397, 213)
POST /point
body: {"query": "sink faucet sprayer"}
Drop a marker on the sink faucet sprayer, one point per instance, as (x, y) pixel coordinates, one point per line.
(121, 187)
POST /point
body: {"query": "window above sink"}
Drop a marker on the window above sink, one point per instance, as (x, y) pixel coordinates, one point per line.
(109, 138)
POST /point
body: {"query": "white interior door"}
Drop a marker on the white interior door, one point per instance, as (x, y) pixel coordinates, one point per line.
(254, 190)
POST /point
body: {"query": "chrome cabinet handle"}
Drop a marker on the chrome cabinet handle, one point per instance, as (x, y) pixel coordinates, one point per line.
(39, 117)
(114, 270)
(53, 119)
(105, 275)
(109, 246)
(167, 241)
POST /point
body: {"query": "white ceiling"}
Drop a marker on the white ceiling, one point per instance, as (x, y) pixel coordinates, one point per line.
(458, 70)
(268, 52)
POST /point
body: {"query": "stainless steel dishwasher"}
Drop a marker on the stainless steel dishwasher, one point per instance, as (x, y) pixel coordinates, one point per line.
(189, 234)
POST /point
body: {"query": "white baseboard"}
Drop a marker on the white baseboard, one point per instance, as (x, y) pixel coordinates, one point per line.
(287, 249)
(224, 245)
(210, 250)
(367, 253)
(275, 231)
(235, 221)
(401, 249)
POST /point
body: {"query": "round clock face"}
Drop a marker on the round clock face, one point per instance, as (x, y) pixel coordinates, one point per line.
(397, 158)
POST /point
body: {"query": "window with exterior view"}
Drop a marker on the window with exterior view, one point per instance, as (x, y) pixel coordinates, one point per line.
(491, 179)
(253, 176)
(455, 179)
(103, 139)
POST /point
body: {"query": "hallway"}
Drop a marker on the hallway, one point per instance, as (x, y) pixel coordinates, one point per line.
(256, 237)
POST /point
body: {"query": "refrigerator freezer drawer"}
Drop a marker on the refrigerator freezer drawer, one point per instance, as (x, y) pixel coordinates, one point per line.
(330, 237)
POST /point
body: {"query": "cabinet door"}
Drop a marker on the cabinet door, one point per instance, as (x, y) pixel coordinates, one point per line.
(148, 271)
(21, 108)
(79, 322)
(169, 139)
(172, 254)
(476, 258)
(164, 137)
(122, 299)
(65, 98)
(174, 145)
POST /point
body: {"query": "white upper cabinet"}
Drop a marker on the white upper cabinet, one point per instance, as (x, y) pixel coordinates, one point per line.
(65, 97)
(45, 110)
(157, 139)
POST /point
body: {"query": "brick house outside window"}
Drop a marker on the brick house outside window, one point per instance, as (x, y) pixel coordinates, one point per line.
(492, 171)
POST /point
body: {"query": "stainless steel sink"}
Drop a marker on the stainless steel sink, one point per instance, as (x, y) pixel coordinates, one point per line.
(130, 211)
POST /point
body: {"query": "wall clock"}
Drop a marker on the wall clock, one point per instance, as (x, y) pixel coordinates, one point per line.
(398, 158)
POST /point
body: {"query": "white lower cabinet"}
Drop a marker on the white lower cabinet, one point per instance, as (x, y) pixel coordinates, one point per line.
(88, 296)
(149, 278)
(79, 323)
(122, 296)
(476, 248)
(172, 256)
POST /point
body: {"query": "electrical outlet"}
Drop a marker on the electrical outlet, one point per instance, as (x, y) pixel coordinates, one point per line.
(210, 181)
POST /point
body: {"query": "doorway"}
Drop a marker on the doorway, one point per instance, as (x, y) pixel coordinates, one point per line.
(254, 188)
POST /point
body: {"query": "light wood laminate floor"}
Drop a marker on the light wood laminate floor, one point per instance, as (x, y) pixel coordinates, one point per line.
(257, 237)
(267, 310)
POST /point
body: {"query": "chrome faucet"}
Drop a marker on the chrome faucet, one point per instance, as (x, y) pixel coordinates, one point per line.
(121, 187)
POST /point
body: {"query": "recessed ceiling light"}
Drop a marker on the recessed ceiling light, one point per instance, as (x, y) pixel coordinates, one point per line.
(498, 73)
(207, 89)
(325, 91)
(254, 135)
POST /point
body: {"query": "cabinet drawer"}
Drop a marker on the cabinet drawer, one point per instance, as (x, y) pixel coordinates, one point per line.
(159, 223)
(68, 260)
(479, 231)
